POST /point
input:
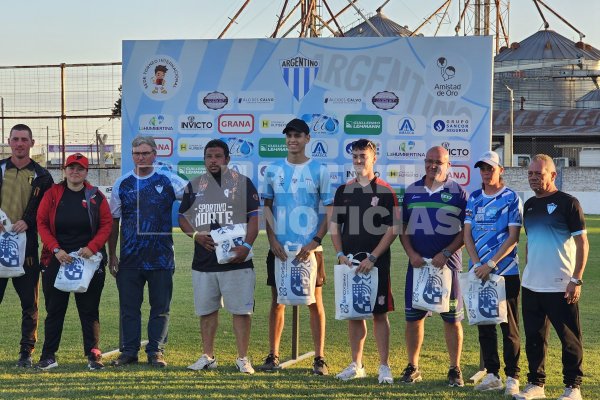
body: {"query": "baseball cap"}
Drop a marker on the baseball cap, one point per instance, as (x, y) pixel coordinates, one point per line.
(77, 158)
(489, 157)
(297, 125)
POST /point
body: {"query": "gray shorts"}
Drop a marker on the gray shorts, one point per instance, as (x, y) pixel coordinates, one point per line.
(233, 290)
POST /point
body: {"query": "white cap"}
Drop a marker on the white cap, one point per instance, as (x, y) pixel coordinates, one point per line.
(489, 157)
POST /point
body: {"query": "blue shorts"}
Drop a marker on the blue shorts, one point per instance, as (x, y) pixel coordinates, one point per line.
(455, 314)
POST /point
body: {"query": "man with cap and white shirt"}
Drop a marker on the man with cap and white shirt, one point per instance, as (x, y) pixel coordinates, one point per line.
(293, 189)
(557, 251)
(493, 220)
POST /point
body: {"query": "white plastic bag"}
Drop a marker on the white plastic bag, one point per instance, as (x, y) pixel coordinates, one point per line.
(12, 250)
(226, 238)
(77, 275)
(485, 302)
(431, 288)
(295, 280)
(355, 294)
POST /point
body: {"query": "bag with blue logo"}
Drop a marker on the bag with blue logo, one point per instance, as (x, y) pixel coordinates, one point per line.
(431, 288)
(226, 238)
(355, 294)
(485, 302)
(12, 250)
(295, 280)
(77, 275)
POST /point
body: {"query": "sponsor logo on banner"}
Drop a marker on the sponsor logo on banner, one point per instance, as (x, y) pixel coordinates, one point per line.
(239, 147)
(461, 174)
(344, 101)
(407, 125)
(356, 124)
(242, 167)
(215, 100)
(255, 100)
(196, 123)
(447, 76)
(190, 169)
(191, 147)
(321, 124)
(262, 169)
(155, 123)
(272, 148)
(403, 174)
(299, 73)
(160, 78)
(336, 174)
(274, 123)
(385, 100)
(350, 173)
(451, 126)
(164, 146)
(322, 148)
(348, 147)
(458, 150)
(236, 123)
(406, 149)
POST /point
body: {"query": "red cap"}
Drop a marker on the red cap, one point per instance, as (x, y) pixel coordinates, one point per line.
(77, 158)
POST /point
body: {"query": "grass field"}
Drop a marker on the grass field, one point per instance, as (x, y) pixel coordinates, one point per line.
(72, 380)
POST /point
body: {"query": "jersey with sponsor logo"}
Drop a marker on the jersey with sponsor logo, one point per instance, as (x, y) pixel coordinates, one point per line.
(550, 223)
(433, 219)
(216, 201)
(144, 205)
(296, 190)
(364, 214)
(489, 217)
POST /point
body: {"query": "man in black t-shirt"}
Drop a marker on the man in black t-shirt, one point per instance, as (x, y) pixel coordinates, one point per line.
(363, 221)
(221, 198)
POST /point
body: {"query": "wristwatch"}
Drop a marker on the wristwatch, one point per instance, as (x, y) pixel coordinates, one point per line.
(372, 258)
(492, 264)
(577, 282)
(56, 250)
(317, 239)
(447, 253)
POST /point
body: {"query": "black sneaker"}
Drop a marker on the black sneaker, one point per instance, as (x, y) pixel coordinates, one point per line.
(271, 363)
(24, 360)
(455, 377)
(95, 362)
(47, 363)
(320, 366)
(124, 360)
(411, 374)
(157, 360)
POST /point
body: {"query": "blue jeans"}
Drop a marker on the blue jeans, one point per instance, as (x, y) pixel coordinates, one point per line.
(130, 283)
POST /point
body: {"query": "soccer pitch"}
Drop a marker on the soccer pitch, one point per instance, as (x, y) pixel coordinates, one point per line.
(72, 379)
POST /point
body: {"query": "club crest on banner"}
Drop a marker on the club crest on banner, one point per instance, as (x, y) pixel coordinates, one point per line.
(299, 73)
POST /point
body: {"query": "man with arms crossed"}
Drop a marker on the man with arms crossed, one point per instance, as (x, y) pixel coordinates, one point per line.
(294, 187)
(221, 197)
(433, 211)
(364, 221)
(557, 251)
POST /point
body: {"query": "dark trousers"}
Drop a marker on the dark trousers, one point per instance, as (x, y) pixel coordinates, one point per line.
(130, 283)
(511, 342)
(539, 311)
(57, 301)
(27, 287)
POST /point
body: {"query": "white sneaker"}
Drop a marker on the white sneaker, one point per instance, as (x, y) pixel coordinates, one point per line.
(243, 365)
(352, 372)
(530, 392)
(512, 386)
(490, 382)
(571, 394)
(385, 374)
(204, 362)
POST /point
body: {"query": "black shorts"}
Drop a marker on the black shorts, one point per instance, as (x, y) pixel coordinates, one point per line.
(271, 269)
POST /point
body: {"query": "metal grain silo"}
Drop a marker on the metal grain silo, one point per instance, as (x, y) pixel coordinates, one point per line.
(383, 24)
(590, 100)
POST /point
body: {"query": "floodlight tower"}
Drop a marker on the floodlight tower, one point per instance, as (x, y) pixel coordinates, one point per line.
(485, 17)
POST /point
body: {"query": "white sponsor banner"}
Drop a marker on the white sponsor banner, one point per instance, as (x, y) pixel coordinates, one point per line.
(255, 100)
(164, 146)
(156, 124)
(406, 125)
(196, 123)
(274, 123)
(342, 101)
(191, 147)
(408, 150)
(322, 149)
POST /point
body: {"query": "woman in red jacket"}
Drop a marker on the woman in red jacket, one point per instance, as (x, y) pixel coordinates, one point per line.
(73, 216)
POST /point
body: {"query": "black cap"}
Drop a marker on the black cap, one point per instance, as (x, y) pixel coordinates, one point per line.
(297, 125)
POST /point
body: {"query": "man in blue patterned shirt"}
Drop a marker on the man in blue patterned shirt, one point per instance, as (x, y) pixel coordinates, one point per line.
(142, 200)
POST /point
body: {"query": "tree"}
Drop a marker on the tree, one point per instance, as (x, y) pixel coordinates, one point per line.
(116, 110)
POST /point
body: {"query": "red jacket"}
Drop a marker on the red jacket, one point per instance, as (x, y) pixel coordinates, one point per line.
(98, 210)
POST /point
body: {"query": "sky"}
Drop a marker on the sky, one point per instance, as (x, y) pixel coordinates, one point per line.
(39, 32)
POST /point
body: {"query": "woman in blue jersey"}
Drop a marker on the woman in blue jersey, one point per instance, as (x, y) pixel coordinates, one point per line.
(494, 216)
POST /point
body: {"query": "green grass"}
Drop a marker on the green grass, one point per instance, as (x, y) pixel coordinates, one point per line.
(72, 380)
